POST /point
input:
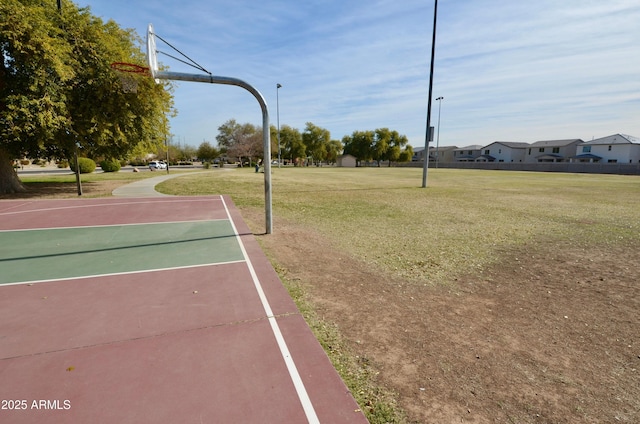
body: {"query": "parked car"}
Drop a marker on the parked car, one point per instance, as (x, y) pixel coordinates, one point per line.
(154, 165)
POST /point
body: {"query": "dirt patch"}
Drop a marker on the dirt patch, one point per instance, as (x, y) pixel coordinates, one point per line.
(547, 335)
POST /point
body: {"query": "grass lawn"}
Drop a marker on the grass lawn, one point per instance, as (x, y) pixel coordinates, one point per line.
(489, 296)
(383, 216)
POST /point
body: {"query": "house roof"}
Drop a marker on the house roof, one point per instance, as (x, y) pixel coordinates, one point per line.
(555, 143)
(550, 156)
(614, 139)
(510, 144)
(586, 156)
(487, 157)
(472, 147)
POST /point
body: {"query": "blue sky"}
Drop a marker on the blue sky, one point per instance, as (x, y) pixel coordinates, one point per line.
(508, 70)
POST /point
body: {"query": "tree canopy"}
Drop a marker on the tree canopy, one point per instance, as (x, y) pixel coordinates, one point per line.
(380, 145)
(314, 144)
(58, 91)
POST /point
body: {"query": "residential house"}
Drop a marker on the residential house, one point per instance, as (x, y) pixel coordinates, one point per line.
(617, 148)
(551, 150)
(467, 154)
(503, 151)
(442, 154)
(418, 154)
(346, 161)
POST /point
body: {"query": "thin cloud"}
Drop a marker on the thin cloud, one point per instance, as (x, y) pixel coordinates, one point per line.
(520, 71)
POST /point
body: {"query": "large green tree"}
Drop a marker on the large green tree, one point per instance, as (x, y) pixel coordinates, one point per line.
(360, 145)
(206, 152)
(292, 146)
(241, 140)
(58, 92)
(316, 140)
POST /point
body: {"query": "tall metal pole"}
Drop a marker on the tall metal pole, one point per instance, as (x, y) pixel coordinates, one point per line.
(425, 168)
(266, 136)
(439, 99)
(278, 119)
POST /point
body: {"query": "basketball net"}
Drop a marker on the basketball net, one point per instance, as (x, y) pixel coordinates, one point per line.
(126, 72)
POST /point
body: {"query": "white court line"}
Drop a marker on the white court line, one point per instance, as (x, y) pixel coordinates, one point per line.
(101, 205)
(141, 271)
(284, 350)
(112, 225)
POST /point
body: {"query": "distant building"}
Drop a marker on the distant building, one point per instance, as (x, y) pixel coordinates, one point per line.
(503, 151)
(346, 161)
(617, 148)
(442, 154)
(467, 154)
(551, 150)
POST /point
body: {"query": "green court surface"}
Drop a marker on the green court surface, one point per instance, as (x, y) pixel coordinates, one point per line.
(62, 253)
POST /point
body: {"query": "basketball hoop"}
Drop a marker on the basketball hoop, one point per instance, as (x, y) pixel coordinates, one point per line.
(128, 81)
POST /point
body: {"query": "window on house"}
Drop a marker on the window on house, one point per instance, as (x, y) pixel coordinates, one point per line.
(556, 150)
(586, 149)
(609, 148)
(499, 151)
(541, 149)
(612, 161)
(529, 150)
(487, 151)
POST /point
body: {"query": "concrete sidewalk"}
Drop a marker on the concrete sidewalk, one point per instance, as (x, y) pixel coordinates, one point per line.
(143, 188)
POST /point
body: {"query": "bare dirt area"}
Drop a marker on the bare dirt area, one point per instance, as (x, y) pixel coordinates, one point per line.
(549, 334)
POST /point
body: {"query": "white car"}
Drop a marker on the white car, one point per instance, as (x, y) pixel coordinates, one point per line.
(153, 165)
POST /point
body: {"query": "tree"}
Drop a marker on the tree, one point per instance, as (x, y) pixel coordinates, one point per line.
(226, 131)
(360, 145)
(291, 143)
(59, 94)
(396, 144)
(316, 140)
(381, 144)
(333, 150)
(241, 141)
(406, 154)
(207, 153)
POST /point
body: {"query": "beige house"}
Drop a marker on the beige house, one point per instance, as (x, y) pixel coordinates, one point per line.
(346, 161)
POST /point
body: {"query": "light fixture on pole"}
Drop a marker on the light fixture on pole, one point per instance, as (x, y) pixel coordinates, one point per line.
(278, 86)
(439, 99)
(425, 167)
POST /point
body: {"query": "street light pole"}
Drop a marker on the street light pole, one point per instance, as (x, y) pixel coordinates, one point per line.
(439, 99)
(278, 121)
(425, 165)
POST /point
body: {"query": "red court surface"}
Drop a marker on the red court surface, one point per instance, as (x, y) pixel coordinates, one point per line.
(189, 323)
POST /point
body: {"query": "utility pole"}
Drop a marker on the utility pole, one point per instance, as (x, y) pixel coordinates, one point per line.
(425, 168)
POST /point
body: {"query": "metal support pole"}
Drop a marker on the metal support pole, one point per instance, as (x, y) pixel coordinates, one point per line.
(439, 99)
(266, 137)
(425, 167)
(278, 119)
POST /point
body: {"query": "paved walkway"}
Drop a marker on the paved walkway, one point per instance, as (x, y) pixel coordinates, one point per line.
(143, 188)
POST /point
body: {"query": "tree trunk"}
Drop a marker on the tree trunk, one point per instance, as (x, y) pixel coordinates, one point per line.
(9, 181)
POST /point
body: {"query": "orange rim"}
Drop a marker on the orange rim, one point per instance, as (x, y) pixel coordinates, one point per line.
(129, 67)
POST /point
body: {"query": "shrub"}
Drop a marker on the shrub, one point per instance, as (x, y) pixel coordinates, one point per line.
(87, 165)
(110, 165)
(63, 164)
(24, 162)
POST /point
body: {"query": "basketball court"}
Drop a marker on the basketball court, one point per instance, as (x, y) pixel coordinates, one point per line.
(152, 310)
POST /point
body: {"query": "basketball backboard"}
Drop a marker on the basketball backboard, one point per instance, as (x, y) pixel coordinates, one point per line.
(152, 52)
